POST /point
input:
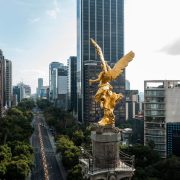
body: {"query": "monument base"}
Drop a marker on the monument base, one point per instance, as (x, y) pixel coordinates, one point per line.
(105, 147)
(105, 162)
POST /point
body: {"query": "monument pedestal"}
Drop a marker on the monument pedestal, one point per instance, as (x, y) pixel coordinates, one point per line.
(105, 148)
(106, 162)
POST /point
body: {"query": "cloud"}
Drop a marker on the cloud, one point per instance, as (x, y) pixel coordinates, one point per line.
(53, 13)
(34, 20)
(172, 48)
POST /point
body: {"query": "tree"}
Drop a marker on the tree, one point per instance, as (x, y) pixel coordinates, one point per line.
(28, 158)
(43, 103)
(144, 155)
(14, 167)
(168, 168)
(64, 143)
(75, 173)
(3, 170)
(70, 152)
(16, 157)
(18, 147)
(26, 104)
(151, 144)
(17, 170)
(16, 126)
(78, 137)
(71, 157)
(5, 153)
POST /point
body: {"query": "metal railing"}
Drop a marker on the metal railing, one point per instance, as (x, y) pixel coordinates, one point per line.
(124, 163)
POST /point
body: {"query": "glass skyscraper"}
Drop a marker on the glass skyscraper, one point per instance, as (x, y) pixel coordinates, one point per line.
(102, 20)
(53, 73)
(5, 81)
(72, 85)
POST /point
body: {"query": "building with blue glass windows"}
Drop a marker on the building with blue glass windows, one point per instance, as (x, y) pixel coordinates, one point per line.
(102, 20)
(72, 85)
(53, 76)
(173, 139)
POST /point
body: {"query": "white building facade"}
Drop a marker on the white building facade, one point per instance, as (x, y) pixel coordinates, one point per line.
(161, 107)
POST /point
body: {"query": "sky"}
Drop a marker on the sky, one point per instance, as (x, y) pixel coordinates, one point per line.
(34, 33)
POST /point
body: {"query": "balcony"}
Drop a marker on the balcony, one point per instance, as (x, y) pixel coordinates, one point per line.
(160, 113)
(154, 94)
(154, 135)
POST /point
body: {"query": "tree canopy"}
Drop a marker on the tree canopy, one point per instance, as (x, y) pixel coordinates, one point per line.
(149, 165)
(16, 160)
(16, 154)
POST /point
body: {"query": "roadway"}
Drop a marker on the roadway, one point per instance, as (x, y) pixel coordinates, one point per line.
(50, 155)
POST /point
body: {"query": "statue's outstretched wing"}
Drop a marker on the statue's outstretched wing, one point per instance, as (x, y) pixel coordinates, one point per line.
(120, 65)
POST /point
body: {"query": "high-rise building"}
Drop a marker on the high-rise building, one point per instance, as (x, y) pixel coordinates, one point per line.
(5, 82)
(62, 82)
(44, 91)
(138, 129)
(21, 91)
(40, 85)
(72, 85)
(162, 115)
(132, 103)
(53, 74)
(27, 89)
(58, 84)
(40, 82)
(17, 94)
(8, 83)
(1, 81)
(103, 21)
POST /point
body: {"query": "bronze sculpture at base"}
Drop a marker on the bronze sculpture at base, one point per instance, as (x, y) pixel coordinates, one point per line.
(105, 96)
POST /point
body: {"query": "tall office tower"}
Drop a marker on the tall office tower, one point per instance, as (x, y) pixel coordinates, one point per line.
(1, 81)
(5, 82)
(132, 104)
(72, 85)
(62, 82)
(53, 73)
(8, 83)
(44, 92)
(40, 82)
(21, 91)
(40, 85)
(161, 115)
(17, 94)
(102, 20)
(27, 89)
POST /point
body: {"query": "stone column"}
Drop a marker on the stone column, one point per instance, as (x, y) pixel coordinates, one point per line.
(105, 142)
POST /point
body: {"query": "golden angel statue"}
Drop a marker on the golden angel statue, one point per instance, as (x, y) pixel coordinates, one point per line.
(104, 96)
